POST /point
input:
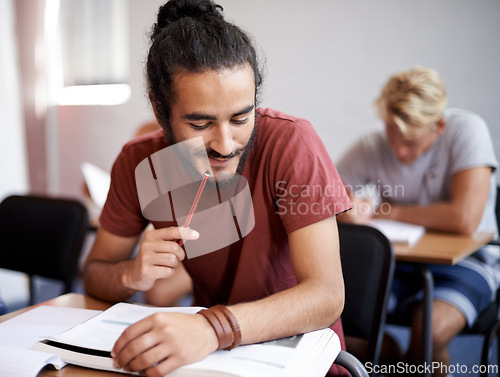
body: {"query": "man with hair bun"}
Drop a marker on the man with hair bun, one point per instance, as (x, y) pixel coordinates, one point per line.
(443, 159)
(284, 277)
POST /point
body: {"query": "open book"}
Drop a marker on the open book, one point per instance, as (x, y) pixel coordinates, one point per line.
(399, 232)
(18, 334)
(89, 344)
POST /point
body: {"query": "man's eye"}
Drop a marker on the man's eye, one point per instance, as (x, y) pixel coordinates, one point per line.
(240, 120)
(199, 126)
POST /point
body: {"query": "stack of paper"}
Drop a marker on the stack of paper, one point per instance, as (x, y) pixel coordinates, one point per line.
(399, 232)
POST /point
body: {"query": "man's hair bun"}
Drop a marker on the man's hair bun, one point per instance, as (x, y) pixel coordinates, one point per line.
(174, 10)
(192, 36)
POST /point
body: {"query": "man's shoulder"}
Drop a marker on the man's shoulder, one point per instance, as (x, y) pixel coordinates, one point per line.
(272, 120)
(464, 125)
(458, 120)
(267, 112)
(276, 127)
(458, 113)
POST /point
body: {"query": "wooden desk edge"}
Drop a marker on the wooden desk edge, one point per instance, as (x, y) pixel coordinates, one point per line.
(404, 252)
(72, 300)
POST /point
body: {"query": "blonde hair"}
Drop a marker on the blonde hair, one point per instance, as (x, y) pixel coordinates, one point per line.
(414, 100)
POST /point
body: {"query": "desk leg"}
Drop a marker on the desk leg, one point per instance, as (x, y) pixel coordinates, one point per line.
(428, 282)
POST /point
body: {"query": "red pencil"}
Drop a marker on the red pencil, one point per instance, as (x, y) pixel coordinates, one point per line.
(195, 201)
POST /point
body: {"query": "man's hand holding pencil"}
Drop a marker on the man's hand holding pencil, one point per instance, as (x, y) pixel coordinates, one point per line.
(161, 250)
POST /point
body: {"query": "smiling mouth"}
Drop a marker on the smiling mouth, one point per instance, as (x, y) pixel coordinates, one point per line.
(219, 159)
(220, 162)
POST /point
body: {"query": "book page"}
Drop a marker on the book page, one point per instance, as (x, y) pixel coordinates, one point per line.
(399, 232)
(18, 334)
(102, 331)
(306, 355)
(27, 328)
(19, 362)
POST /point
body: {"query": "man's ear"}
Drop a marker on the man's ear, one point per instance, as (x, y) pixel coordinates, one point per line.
(440, 126)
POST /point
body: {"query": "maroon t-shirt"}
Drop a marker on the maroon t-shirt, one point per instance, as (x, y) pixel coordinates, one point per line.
(293, 184)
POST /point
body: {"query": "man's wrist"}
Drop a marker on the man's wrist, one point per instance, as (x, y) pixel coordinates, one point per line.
(209, 333)
(224, 325)
(126, 275)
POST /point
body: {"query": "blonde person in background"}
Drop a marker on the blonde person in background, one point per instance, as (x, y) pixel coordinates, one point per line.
(443, 160)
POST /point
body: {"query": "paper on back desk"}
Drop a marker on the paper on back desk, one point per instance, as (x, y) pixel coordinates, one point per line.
(399, 232)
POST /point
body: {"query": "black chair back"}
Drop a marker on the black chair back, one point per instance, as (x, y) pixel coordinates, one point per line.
(368, 267)
(497, 209)
(42, 236)
(488, 321)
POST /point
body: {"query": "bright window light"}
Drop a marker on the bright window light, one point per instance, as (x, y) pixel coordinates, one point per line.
(92, 65)
(109, 94)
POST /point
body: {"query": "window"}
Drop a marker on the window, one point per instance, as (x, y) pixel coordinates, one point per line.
(94, 56)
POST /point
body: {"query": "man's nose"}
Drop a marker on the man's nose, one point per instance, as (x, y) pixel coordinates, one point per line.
(222, 139)
(402, 151)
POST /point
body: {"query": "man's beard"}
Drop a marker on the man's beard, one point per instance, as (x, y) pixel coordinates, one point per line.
(223, 179)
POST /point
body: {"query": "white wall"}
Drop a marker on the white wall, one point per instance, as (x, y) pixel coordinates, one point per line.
(13, 167)
(97, 133)
(326, 61)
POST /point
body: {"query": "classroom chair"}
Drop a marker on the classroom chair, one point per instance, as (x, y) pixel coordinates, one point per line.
(368, 264)
(42, 236)
(487, 323)
(351, 364)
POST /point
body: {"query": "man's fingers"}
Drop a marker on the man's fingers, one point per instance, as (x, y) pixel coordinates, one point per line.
(166, 240)
(188, 234)
(141, 346)
(166, 260)
(176, 233)
(168, 365)
(127, 346)
(155, 359)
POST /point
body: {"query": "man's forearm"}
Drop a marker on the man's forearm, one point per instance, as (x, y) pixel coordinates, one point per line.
(306, 307)
(439, 216)
(105, 280)
(461, 214)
